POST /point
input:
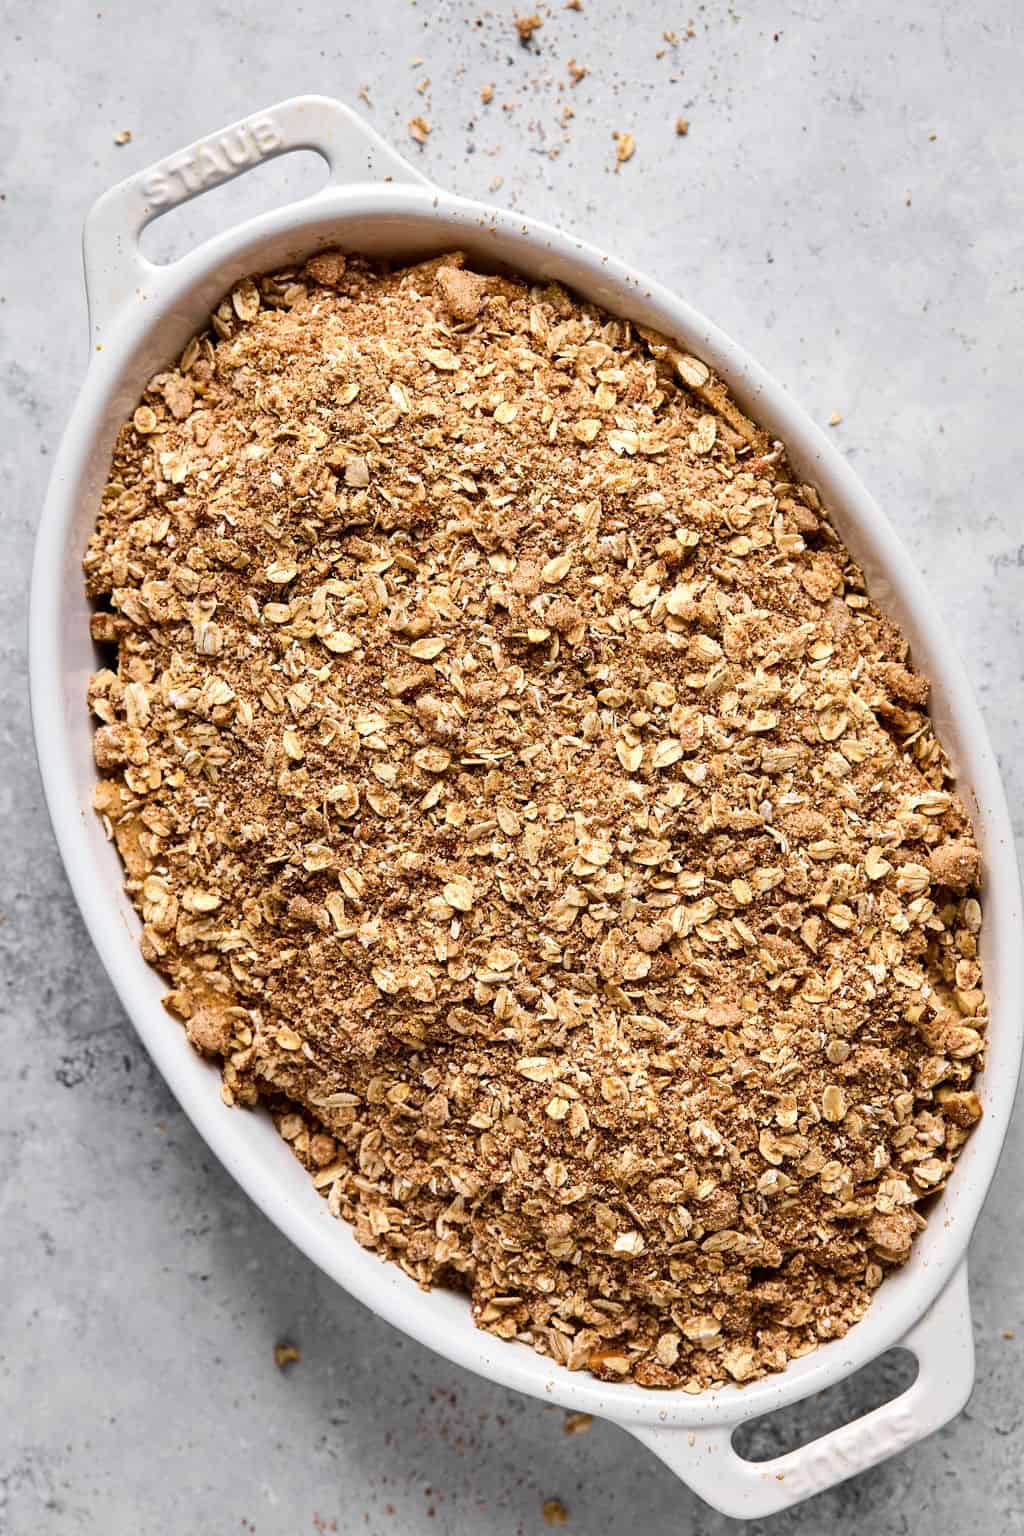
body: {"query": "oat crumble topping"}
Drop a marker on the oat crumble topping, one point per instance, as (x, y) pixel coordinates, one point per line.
(523, 796)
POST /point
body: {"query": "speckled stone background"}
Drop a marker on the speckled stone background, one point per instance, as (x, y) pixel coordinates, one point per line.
(850, 203)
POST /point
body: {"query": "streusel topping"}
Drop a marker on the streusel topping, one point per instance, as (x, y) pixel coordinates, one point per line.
(522, 794)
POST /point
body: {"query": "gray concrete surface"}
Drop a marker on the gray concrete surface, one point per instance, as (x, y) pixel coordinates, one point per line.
(849, 202)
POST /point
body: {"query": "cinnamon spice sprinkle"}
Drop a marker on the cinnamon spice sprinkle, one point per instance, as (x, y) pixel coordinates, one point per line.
(523, 796)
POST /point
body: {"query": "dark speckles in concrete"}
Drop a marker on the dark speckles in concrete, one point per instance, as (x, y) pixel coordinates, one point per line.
(874, 152)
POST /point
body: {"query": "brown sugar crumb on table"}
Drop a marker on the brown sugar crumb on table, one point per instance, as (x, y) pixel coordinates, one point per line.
(523, 797)
(526, 26)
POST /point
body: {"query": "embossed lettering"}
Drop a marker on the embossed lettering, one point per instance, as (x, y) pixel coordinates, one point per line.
(235, 146)
(183, 167)
(157, 188)
(852, 1448)
(266, 133)
(212, 161)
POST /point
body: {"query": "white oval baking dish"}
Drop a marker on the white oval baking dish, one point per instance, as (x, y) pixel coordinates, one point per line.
(141, 315)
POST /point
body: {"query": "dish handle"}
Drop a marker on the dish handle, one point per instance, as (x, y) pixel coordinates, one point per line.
(116, 271)
(944, 1347)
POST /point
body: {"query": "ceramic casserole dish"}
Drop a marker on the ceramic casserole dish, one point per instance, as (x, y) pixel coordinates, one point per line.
(141, 316)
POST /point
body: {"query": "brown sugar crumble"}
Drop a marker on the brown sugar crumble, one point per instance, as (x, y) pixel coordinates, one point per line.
(524, 797)
(526, 26)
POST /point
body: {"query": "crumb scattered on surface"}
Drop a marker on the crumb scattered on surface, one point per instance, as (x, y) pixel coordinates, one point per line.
(555, 1512)
(419, 129)
(524, 797)
(487, 94)
(625, 147)
(124, 137)
(526, 26)
(682, 126)
(285, 1355)
(835, 419)
(577, 1423)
